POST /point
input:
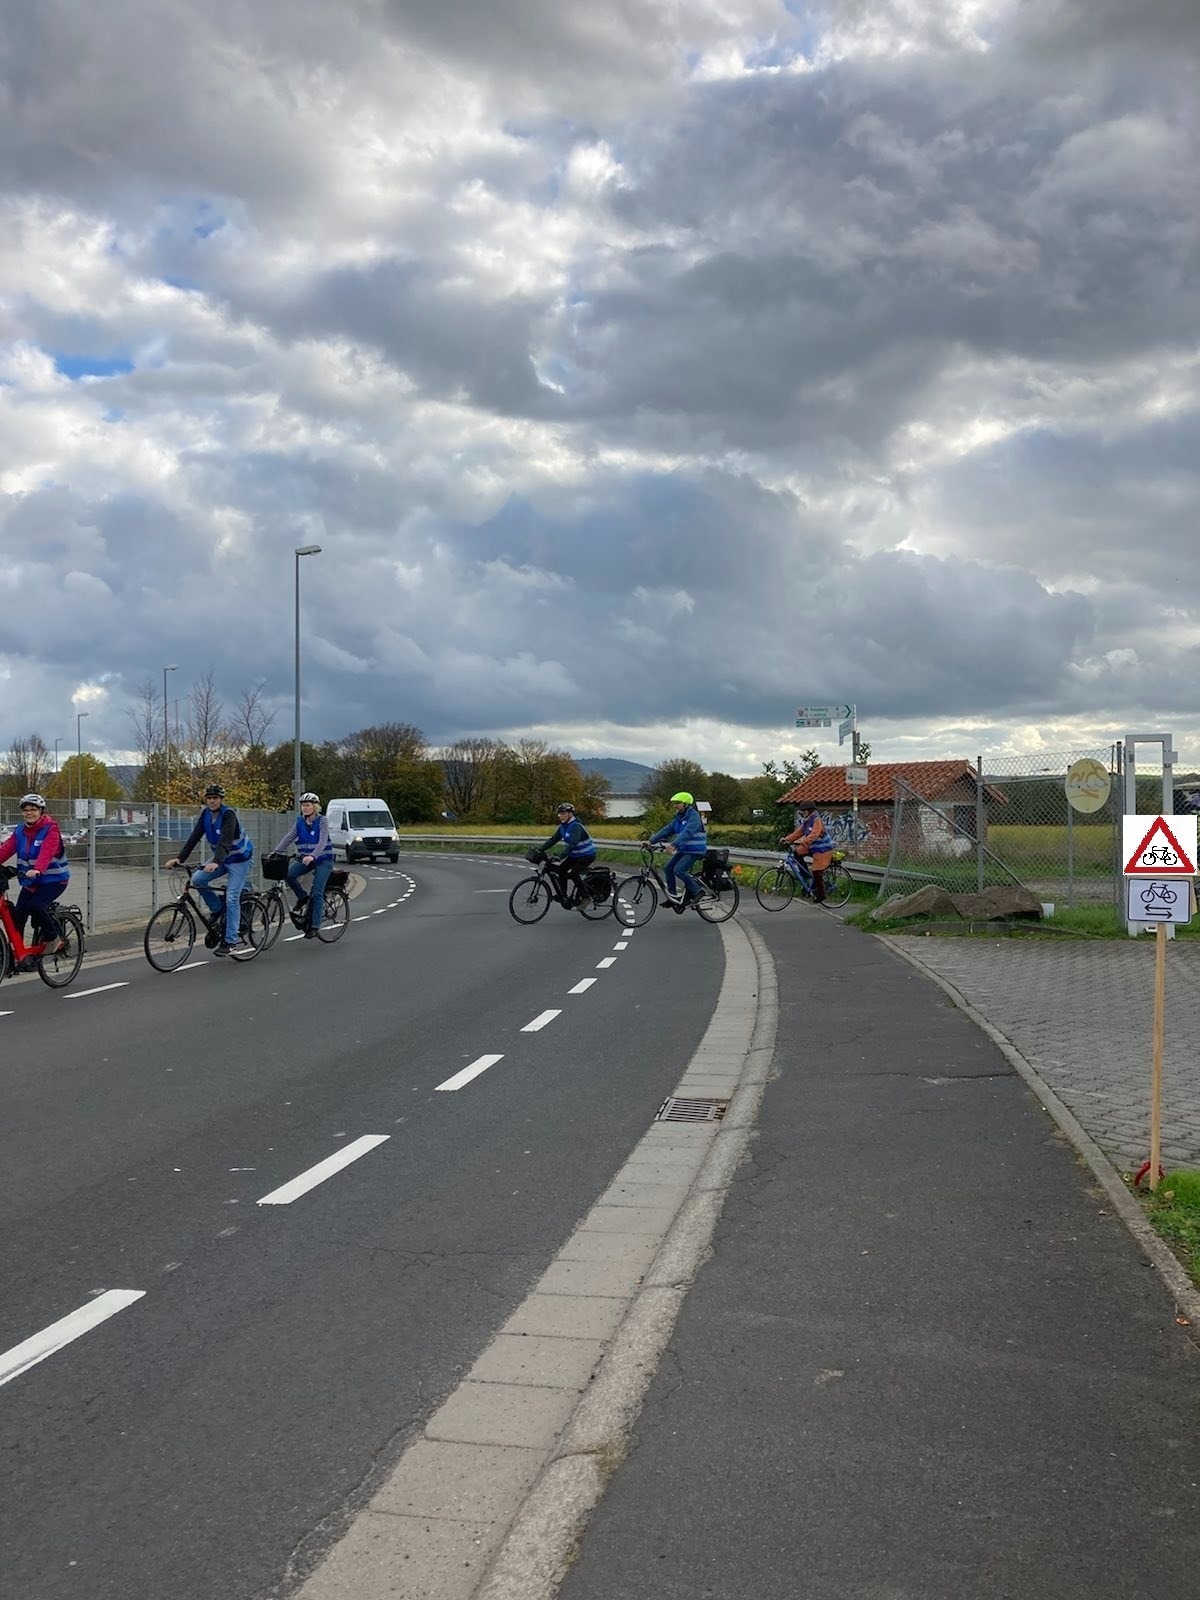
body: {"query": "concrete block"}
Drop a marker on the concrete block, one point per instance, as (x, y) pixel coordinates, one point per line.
(510, 1414)
(459, 1482)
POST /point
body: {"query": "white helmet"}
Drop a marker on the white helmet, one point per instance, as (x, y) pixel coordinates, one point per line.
(34, 800)
(315, 798)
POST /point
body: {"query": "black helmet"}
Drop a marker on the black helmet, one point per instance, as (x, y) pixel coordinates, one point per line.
(214, 791)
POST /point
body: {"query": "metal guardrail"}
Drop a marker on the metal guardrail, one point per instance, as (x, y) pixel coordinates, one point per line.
(861, 871)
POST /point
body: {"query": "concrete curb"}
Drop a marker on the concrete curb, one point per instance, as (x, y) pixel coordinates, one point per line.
(1175, 1279)
(545, 1534)
(490, 1499)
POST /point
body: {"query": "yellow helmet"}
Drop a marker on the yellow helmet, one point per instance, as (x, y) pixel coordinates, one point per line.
(683, 798)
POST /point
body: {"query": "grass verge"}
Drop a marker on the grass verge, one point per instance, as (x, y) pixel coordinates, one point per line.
(1174, 1214)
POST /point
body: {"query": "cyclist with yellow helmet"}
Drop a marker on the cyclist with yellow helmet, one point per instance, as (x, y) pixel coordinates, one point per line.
(686, 841)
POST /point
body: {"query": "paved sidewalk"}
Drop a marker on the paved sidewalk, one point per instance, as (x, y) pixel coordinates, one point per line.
(925, 1360)
(1082, 1015)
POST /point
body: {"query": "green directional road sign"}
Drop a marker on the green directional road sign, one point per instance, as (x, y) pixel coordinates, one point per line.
(820, 715)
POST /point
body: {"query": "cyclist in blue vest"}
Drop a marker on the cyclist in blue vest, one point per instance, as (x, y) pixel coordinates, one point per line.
(232, 853)
(687, 842)
(42, 872)
(812, 838)
(578, 853)
(314, 853)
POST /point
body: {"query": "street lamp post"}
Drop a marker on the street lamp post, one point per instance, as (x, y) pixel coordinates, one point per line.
(57, 742)
(167, 749)
(301, 550)
(79, 716)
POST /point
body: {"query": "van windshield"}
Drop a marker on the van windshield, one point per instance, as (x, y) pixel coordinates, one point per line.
(371, 819)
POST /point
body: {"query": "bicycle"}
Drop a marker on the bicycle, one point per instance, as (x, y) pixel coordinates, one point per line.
(638, 895)
(171, 931)
(335, 916)
(777, 886)
(532, 897)
(56, 968)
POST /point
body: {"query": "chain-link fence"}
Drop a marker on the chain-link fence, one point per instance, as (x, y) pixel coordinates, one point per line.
(1049, 821)
(118, 875)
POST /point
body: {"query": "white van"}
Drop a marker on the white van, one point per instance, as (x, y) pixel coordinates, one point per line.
(363, 829)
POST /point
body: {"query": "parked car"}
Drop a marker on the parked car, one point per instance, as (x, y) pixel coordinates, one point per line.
(121, 830)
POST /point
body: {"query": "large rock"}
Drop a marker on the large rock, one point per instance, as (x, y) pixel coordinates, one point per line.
(931, 901)
(994, 905)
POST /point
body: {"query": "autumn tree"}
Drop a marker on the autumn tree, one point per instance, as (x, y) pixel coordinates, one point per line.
(84, 776)
(724, 794)
(372, 755)
(469, 775)
(28, 765)
(669, 777)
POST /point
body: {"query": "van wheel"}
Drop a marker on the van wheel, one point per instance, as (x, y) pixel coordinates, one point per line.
(395, 858)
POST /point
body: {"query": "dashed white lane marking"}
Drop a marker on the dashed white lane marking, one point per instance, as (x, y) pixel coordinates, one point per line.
(103, 989)
(360, 919)
(286, 1193)
(582, 986)
(195, 966)
(609, 961)
(5, 1013)
(624, 945)
(27, 1354)
(489, 891)
(467, 1073)
(540, 1021)
(380, 912)
(292, 937)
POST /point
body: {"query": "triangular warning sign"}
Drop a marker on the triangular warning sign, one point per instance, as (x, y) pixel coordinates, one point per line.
(1161, 858)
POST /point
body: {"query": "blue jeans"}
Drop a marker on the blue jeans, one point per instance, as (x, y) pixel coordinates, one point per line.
(237, 872)
(684, 867)
(320, 873)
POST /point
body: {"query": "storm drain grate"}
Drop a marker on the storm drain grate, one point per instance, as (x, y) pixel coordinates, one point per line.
(676, 1109)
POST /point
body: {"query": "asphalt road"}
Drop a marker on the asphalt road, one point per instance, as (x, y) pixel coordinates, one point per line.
(212, 1436)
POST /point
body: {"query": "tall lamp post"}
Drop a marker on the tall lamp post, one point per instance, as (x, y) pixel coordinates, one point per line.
(301, 550)
(57, 742)
(79, 716)
(167, 748)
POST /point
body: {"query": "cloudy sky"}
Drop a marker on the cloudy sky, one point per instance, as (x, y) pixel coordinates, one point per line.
(643, 369)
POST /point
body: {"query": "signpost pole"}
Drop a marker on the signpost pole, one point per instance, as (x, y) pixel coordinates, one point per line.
(854, 791)
(1160, 989)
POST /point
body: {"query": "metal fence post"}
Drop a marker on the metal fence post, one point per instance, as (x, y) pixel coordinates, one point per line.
(980, 824)
(156, 857)
(91, 869)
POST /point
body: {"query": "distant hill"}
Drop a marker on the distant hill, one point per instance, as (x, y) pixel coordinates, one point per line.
(624, 777)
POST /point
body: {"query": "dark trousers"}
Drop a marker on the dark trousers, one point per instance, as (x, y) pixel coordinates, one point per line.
(570, 871)
(34, 901)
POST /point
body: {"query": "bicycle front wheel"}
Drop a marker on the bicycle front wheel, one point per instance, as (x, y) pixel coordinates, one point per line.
(775, 888)
(635, 901)
(253, 927)
(530, 900)
(276, 916)
(718, 905)
(839, 886)
(169, 937)
(335, 916)
(58, 968)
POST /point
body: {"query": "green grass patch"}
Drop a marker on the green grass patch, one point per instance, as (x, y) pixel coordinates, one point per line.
(1174, 1213)
(1037, 846)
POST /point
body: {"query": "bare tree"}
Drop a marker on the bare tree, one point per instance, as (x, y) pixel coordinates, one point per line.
(468, 766)
(146, 715)
(251, 721)
(206, 738)
(28, 763)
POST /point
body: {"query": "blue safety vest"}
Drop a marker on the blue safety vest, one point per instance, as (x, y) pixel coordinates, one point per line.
(307, 835)
(28, 847)
(240, 850)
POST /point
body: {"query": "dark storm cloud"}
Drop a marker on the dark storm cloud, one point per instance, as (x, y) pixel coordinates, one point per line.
(619, 380)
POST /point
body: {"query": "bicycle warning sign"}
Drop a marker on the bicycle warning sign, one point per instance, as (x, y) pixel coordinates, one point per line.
(1162, 850)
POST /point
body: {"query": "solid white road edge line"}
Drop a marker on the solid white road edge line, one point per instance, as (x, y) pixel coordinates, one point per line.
(288, 1192)
(27, 1354)
(467, 1073)
(540, 1021)
(103, 989)
(582, 986)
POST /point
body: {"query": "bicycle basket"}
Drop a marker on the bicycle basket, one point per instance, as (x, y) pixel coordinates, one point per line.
(839, 855)
(274, 868)
(338, 878)
(535, 855)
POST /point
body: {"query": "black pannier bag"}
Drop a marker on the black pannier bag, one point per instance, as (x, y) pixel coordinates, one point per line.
(600, 883)
(274, 868)
(715, 870)
(338, 878)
